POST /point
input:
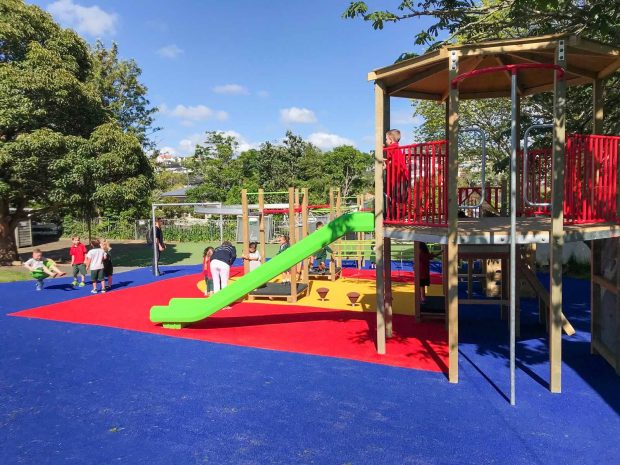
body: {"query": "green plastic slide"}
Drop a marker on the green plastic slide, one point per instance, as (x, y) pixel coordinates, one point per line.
(187, 310)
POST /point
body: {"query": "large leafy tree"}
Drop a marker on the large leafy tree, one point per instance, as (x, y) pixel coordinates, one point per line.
(123, 96)
(60, 148)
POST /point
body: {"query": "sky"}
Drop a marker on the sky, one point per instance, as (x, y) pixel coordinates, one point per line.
(252, 69)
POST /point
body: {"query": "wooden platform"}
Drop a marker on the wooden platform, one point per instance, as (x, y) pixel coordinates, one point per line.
(277, 291)
(496, 231)
(325, 275)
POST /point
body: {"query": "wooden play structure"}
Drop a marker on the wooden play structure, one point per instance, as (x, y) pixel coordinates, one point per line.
(297, 210)
(566, 192)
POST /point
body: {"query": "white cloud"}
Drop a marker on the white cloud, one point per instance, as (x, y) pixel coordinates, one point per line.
(297, 115)
(90, 20)
(231, 89)
(187, 145)
(197, 113)
(262, 93)
(326, 141)
(170, 150)
(170, 51)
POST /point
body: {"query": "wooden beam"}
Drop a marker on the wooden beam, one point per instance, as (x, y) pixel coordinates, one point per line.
(416, 281)
(508, 48)
(245, 220)
(556, 238)
(418, 76)
(506, 73)
(592, 46)
(305, 268)
(261, 226)
(481, 95)
(549, 87)
(609, 69)
(452, 240)
(382, 123)
(539, 57)
(417, 95)
(292, 232)
(387, 250)
(407, 65)
(598, 98)
(465, 67)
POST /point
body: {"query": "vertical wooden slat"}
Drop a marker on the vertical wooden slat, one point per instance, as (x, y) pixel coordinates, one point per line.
(261, 225)
(382, 112)
(292, 230)
(452, 245)
(245, 220)
(557, 226)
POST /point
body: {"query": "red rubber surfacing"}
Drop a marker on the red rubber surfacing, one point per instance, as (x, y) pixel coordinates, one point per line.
(290, 328)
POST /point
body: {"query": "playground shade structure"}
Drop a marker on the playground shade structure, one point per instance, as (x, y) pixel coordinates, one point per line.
(187, 310)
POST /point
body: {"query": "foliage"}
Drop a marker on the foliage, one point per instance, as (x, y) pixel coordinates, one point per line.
(122, 94)
(275, 168)
(473, 20)
(60, 148)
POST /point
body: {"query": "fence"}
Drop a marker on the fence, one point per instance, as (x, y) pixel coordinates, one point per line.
(425, 168)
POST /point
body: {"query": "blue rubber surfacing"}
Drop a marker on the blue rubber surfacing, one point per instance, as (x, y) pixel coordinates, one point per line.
(78, 394)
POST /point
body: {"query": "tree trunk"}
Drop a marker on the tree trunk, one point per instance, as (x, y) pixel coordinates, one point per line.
(8, 246)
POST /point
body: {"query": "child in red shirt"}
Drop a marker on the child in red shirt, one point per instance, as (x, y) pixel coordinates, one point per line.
(78, 254)
(206, 270)
(399, 175)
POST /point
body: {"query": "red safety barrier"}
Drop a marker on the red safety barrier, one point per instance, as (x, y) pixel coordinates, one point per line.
(415, 184)
(590, 179)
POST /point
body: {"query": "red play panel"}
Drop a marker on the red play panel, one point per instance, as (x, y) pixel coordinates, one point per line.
(291, 328)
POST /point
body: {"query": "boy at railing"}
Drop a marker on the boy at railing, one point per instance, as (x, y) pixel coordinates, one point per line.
(398, 177)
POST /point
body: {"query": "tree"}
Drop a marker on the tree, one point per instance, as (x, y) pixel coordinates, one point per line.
(59, 149)
(122, 94)
(215, 162)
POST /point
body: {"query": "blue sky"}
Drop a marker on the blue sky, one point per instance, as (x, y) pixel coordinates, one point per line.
(251, 68)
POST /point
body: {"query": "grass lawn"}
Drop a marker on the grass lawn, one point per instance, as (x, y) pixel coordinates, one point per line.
(13, 273)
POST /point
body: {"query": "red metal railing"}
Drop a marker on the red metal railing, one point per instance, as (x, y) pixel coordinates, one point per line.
(416, 184)
(590, 179)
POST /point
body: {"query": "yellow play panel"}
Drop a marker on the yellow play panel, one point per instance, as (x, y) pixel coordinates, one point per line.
(336, 299)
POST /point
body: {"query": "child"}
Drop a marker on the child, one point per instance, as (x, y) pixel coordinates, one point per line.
(424, 269)
(399, 176)
(206, 270)
(284, 244)
(94, 262)
(108, 268)
(78, 253)
(41, 268)
(321, 255)
(253, 257)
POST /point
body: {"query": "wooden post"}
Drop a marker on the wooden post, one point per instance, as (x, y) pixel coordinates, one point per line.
(470, 278)
(304, 233)
(291, 236)
(598, 113)
(261, 225)
(382, 122)
(557, 225)
(387, 251)
(331, 204)
(360, 235)
(245, 220)
(416, 281)
(452, 245)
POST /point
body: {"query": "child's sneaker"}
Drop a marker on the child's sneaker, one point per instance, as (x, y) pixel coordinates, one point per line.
(103, 291)
(39, 286)
(82, 284)
(94, 291)
(74, 283)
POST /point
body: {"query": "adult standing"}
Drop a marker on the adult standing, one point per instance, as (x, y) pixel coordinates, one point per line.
(222, 259)
(160, 245)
